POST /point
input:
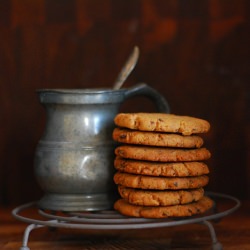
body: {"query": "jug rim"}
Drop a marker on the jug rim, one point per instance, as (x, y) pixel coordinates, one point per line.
(81, 96)
(80, 91)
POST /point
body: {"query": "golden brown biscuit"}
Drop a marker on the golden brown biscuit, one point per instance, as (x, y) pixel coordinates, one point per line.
(149, 153)
(162, 122)
(157, 139)
(194, 208)
(169, 169)
(159, 183)
(160, 198)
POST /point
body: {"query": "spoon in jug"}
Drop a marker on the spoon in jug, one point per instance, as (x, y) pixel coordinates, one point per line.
(127, 68)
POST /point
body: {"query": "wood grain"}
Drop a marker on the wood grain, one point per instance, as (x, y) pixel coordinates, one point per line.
(196, 54)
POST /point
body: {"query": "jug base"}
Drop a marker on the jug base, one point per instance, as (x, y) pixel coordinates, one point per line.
(77, 202)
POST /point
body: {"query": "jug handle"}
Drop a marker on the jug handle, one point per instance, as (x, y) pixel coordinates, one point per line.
(142, 89)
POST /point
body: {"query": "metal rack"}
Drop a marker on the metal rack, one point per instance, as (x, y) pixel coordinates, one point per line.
(111, 220)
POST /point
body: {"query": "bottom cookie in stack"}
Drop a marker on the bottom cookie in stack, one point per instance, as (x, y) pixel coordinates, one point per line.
(160, 169)
(184, 210)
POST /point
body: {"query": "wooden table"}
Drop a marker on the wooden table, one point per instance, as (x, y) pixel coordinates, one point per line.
(233, 232)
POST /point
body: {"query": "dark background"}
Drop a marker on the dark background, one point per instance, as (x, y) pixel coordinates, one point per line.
(196, 53)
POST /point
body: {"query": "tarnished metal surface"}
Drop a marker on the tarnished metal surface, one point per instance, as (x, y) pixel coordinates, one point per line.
(74, 158)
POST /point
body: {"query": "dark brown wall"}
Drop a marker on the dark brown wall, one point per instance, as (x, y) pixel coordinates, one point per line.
(196, 53)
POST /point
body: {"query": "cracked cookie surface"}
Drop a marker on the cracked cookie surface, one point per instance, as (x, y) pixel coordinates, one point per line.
(150, 153)
(156, 138)
(160, 183)
(170, 169)
(183, 210)
(162, 122)
(160, 198)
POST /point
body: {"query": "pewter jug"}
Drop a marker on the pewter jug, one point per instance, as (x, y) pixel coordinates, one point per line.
(74, 157)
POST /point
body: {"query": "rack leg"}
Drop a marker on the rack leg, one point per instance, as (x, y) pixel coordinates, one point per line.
(26, 235)
(216, 245)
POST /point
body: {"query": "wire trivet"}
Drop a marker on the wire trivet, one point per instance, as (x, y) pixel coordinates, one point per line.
(111, 220)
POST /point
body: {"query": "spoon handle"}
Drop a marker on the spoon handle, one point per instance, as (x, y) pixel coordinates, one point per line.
(127, 68)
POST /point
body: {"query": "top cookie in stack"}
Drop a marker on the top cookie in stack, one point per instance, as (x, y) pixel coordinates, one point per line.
(160, 165)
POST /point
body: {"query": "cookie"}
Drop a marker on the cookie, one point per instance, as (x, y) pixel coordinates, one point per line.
(170, 169)
(149, 153)
(156, 138)
(162, 122)
(184, 210)
(159, 183)
(160, 198)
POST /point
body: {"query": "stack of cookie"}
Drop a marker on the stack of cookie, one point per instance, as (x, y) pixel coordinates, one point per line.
(160, 162)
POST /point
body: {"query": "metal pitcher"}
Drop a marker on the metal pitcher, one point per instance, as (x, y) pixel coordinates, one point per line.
(74, 157)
